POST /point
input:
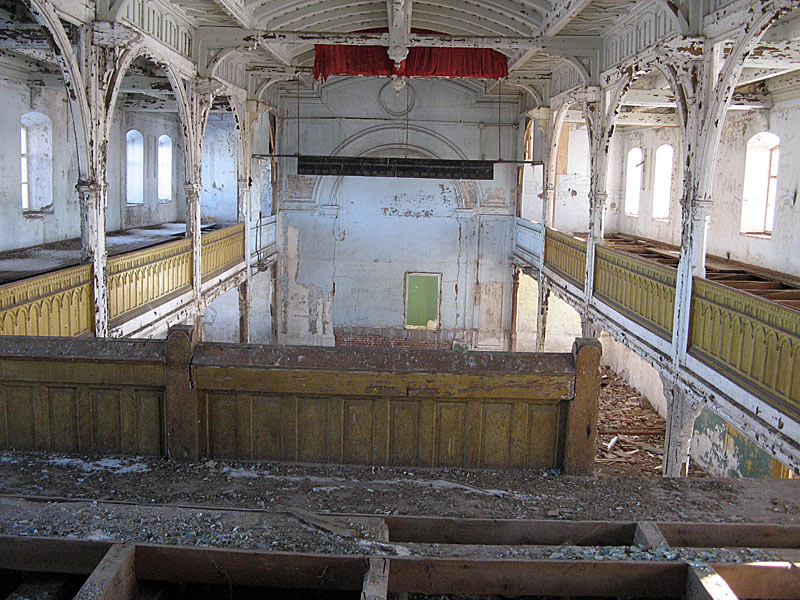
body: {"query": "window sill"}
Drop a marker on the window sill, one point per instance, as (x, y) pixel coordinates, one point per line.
(757, 235)
(662, 220)
(36, 214)
(135, 205)
(423, 327)
(632, 216)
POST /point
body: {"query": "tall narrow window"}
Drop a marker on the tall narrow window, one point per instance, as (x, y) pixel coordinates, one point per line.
(134, 167)
(422, 300)
(662, 184)
(36, 162)
(633, 181)
(760, 183)
(164, 169)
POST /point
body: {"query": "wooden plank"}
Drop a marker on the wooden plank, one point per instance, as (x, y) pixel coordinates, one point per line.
(446, 530)
(542, 387)
(582, 420)
(63, 372)
(704, 583)
(114, 578)
(776, 581)
(647, 535)
(376, 580)
(537, 578)
(249, 567)
(730, 535)
(50, 555)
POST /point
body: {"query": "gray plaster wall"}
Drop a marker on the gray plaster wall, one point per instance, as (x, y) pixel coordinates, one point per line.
(571, 210)
(347, 243)
(221, 318)
(61, 220)
(120, 214)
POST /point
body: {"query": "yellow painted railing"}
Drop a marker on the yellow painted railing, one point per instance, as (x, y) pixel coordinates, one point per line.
(566, 255)
(58, 304)
(144, 278)
(752, 341)
(640, 289)
(222, 249)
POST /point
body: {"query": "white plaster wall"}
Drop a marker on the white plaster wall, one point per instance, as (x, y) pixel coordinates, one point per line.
(121, 215)
(346, 244)
(563, 322)
(18, 230)
(219, 198)
(644, 225)
(261, 290)
(221, 318)
(639, 374)
(780, 252)
(571, 211)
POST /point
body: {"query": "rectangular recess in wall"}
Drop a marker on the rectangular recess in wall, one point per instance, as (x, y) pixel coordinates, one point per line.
(421, 168)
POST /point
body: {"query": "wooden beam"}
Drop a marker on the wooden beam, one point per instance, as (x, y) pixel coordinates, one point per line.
(114, 578)
(563, 12)
(774, 580)
(50, 555)
(730, 535)
(537, 578)
(249, 567)
(704, 583)
(648, 536)
(446, 530)
(376, 580)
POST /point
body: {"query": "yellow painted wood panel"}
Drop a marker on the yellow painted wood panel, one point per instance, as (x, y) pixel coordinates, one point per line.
(19, 414)
(107, 421)
(496, 434)
(267, 428)
(451, 434)
(347, 383)
(358, 434)
(79, 372)
(543, 437)
(64, 415)
(313, 430)
(405, 420)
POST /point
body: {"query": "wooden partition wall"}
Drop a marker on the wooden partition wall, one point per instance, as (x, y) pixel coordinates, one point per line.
(189, 400)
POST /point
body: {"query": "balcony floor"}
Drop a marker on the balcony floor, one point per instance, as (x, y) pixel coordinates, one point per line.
(781, 288)
(36, 260)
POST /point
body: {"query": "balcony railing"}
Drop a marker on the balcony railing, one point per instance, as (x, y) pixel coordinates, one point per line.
(264, 238)
(62, 303)
(641, 290)
(145, 278)
(752, 341)
(57, 304)
(222, 250)
(529, 239)
(566, 255)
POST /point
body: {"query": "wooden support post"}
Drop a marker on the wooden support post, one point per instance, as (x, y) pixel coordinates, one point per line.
(582, 420)
(114, 578)
(183, 439)
(376, 580)
(244, 311)
(647, 535)
(704, 583)
(541, 314)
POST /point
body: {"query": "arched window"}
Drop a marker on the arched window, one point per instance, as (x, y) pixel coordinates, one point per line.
(134, 167)
(662, 183)
(164, 172)
(633, 181)
(760, 183)
(36, 162)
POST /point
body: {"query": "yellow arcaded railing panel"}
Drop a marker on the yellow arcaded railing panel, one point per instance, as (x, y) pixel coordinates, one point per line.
(222, 249)
(753, 341)
(55, 304)
(566, 255)
(640, 289)
(139, 279)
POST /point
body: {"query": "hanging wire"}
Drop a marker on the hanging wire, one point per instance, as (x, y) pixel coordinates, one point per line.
(408, 110)
(499, 124)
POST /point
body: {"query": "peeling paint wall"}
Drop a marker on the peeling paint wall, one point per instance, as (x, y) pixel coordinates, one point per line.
(347, 243)
(261, 290)
(563, 321)
(219, 201)
(571, 211)
(62, 219)
(120, 214)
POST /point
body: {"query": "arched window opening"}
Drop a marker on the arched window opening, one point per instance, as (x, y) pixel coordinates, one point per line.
(662, 184)
(134, 167)
(633, 181)
(164, 168)
(36, 162)
(760, 183)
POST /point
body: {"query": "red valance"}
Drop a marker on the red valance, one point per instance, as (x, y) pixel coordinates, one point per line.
(483, 63)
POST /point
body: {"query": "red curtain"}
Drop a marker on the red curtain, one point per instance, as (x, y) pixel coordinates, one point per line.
(483, 63)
